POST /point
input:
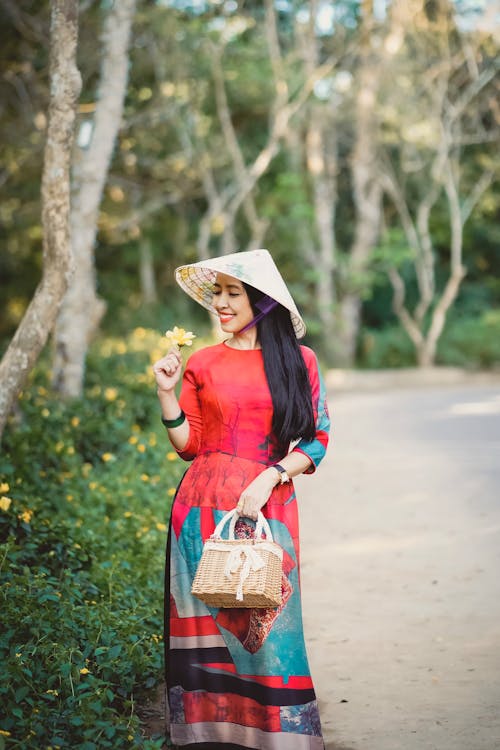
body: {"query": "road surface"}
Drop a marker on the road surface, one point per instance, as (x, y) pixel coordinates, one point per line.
(400, 534)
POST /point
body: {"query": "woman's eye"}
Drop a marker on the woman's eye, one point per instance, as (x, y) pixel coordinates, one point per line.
(234, 294)
(215, 292)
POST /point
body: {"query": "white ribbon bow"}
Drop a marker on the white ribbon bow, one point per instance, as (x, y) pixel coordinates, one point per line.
(252, 562)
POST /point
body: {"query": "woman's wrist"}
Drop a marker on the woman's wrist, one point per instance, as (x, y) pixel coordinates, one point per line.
(274, 476)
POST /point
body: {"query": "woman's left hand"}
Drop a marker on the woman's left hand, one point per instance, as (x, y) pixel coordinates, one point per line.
(257, 493)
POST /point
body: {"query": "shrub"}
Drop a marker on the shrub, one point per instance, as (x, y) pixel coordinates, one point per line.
(85, 491)
(472, 342)
(389, 347)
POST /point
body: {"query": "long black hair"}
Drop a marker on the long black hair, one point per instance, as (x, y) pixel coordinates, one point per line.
(286, 373)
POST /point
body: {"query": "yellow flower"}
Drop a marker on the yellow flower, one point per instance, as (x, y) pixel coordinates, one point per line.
(110, 394)
(136, 428)
(5, 502)
(93, 485)
(152, 441)
(161, 527)
(145, 477)
(171, 491)
(172, 456)
(141, 448)
(45, 412)
(107, 457)
(70, 451)
(179, 337)
(133, 439)
(52, 692)
(128, 514)
(4, 487)
(84, 670)
(26, 516)
(75, 421)
(4, 733)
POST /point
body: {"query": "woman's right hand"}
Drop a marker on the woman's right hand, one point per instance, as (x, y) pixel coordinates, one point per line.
(168, 370)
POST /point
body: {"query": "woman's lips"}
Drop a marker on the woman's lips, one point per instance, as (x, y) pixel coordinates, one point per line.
(225, 318)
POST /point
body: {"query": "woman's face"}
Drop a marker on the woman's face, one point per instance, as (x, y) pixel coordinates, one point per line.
(231, 303)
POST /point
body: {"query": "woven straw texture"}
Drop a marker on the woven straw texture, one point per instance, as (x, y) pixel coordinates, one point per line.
(262, 588)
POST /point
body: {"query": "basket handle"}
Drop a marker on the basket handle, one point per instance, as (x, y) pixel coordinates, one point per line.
(233, 515)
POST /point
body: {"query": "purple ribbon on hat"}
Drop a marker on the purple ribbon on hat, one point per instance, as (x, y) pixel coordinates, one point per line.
(264, 305)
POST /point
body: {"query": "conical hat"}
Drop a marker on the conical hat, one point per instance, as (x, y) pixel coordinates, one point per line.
(254, 267)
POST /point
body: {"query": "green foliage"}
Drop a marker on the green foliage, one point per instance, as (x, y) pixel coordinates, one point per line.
(389, 347)
(472, 342)
(82, 552)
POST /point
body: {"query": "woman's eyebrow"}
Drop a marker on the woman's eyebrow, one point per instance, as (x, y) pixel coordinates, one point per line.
(229, 286)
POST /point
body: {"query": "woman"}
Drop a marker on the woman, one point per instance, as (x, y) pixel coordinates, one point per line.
(239, 678)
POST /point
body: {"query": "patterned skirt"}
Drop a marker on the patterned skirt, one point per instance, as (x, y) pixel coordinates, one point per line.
(237, 679)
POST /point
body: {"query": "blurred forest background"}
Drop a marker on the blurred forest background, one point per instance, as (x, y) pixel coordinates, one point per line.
(357, 140)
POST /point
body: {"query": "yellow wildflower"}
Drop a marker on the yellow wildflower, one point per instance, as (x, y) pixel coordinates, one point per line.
(145, 477)
(26, 516)
(171, 491)
(161, 527)
(5, 502)
(107, 457)
(69, 498)
(45, 412)
(172, 456)
(179, 337)
(52, 692)
(93, 485)
(136, 428)
(110, 394)
(84, 670)
(75, 421)
(4, 487)
(128, 514)
(133, 439)
(4, 733)
(141, 448)
(152, 440)
(70, 451)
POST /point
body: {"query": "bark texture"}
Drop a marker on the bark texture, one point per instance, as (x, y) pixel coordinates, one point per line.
(39, 319)
(82, 310)
(367, 192)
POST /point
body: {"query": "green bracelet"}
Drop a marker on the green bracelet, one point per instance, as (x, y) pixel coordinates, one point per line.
(169, 423)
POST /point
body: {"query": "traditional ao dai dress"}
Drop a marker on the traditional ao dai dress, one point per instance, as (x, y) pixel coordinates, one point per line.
(236, 678)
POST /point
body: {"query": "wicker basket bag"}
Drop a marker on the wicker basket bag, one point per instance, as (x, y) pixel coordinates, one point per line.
(240, 572)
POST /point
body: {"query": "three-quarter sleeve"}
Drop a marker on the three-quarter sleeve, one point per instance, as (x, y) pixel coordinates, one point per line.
(315, 449)
(189, 402)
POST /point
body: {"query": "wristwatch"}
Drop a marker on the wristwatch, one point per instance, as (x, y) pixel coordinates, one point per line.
(283, 473)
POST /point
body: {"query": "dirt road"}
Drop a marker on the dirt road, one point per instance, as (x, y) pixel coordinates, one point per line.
(401, 570)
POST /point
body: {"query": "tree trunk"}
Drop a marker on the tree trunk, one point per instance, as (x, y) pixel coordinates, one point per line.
(40, 316)
(147, 273)
(82, 310)
(367, 192)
